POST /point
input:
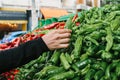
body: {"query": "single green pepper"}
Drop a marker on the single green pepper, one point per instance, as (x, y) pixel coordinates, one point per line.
(108, 70)
(116, 47)
(55, 71)
(115, 24)
(114, 76)
(62, 76)
(106, 56)
(90, 74)
(117, 70)
(83, 57)
(85, 70)
(68, 57)
(82, 64)
(109, 39)
(55, 57)
(98, 74)
(78, 46)
(69, 23)
(44, 71)
(86, 29)
(92, 40)
(64, 61)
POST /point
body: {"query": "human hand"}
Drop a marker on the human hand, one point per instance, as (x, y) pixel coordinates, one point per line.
(57, 39)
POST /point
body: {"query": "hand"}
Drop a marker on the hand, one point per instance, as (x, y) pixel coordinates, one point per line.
(57, 39)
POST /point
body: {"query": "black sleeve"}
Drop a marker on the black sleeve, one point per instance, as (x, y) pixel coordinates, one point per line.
(22, 54)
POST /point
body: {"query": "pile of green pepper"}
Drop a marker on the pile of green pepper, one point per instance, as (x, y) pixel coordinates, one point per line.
(93, 53)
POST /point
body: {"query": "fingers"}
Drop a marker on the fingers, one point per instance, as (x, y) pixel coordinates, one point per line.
(63, 46)
(65, 35)
(60, 31)
(64, 41)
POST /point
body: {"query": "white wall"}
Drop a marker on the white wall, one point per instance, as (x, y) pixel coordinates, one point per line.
(16, 3)
(51, 3)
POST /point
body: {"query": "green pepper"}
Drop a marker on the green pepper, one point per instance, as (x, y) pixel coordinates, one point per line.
(74, 67)
(117, 70)
(62, 76)
(68, 57)
(117, 39)
(82, 64)
(85, 70)
(109, 39)
(108, 70)
(106, 56)
(115, 24)
(102, 78)
(55, 71)
(44, 71)
(90, 74)
(86, 29)
(69, 23)
(114, 76)
(97, 34)
(116, 47)
(98, 74)
(91, 50)
(111, 16)
(96, 66)
(64, 61)
(83, 57)
(92, 40)
(55, 57)
(78, 46)
(103, 65)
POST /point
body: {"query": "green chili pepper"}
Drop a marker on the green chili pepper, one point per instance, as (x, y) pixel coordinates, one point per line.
(115, 24)
(85, 70)
(44, 71)
(91, 50)
(76, 78)
(83, 57)
(55, 57)
(103, 65)
(108, 70)
(107, 56)
(116, 47)
(62, 76)
(78, 46)
(117, 70)
(69, 23)
(64, 61)
(82, 64)
(109, 39)
(74, 67)
(90, 74)
(114, 76)
(68, 57)
(111, 16)
(96, 66)
(55, 71)
(86, 29)
(92, 40)
(98, 74)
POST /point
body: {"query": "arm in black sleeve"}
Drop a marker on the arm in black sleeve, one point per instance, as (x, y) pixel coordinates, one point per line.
(22, 54)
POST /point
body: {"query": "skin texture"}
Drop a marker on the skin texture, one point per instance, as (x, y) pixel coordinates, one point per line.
(57, 39)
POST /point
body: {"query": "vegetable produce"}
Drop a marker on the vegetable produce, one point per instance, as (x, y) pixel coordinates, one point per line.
(93, 53)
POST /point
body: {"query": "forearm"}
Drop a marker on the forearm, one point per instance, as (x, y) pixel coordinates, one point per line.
(21, 55)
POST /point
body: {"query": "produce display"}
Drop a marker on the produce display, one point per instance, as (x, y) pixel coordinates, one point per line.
(93, 53)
